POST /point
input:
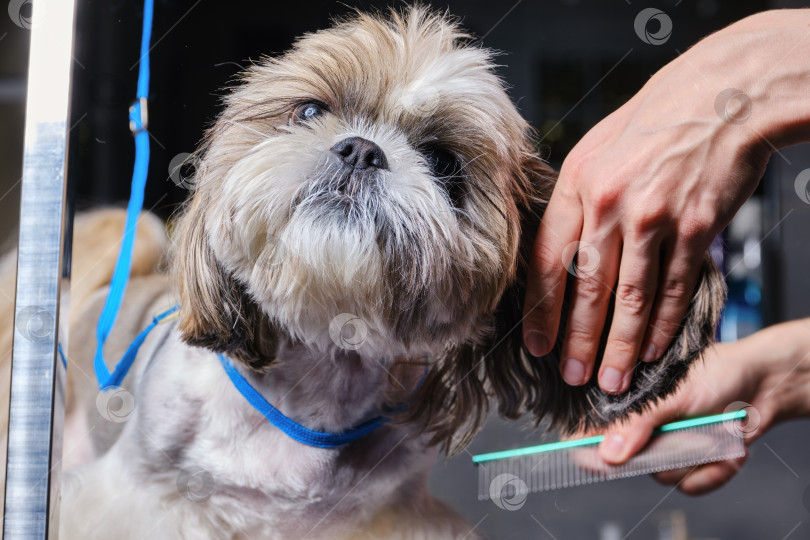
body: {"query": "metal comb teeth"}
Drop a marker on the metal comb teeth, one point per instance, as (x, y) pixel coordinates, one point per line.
(512, 474)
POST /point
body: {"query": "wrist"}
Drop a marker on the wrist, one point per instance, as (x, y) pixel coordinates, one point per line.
(774, 74)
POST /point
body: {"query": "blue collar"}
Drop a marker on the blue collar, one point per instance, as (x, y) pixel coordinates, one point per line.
(290, 427)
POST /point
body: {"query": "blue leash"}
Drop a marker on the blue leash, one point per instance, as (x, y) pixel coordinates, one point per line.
(61, 354)
(137, 123)
(138, 117)
(117, 376)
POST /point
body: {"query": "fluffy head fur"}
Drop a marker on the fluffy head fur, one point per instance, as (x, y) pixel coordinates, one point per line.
(283, 242)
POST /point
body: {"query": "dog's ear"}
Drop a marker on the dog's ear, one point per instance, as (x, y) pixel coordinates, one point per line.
(453, 401)
(216, 312)
(512, 376)
(523, 384)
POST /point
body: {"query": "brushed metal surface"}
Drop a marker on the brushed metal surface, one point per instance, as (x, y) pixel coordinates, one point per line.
(36, 416)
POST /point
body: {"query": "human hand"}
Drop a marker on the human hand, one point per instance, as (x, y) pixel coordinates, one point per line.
(643, 194)
(769, 370)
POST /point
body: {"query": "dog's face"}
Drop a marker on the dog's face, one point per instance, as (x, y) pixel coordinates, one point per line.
(378, 175)
(374, 172)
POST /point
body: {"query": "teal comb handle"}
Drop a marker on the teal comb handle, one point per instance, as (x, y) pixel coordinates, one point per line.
(674, 426)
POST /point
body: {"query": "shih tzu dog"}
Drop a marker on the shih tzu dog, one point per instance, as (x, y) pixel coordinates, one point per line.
(354, 249)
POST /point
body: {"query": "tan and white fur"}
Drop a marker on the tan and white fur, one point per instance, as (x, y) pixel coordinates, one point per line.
(362, 207)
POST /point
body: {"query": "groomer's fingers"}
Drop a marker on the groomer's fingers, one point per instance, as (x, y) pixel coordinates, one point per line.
(595, 272)
(619, 445)
(703, 479)
(635, 293)
(628, 438)
(680, 274)
(561, 225)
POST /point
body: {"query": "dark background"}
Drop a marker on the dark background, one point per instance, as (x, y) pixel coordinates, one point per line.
(568, 64)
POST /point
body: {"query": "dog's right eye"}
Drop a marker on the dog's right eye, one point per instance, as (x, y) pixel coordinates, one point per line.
(306, 112)
(448, 172)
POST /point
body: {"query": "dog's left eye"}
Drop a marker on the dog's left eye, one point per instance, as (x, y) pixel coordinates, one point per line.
(307, 111)
(447, 171)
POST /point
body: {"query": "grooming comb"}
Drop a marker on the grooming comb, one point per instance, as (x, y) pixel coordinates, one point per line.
(576, 462)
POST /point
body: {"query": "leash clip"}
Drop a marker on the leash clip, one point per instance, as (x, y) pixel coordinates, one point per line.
(138, 116)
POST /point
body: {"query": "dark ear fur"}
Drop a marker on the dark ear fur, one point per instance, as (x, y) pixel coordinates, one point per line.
(453, 402)
(216, 312)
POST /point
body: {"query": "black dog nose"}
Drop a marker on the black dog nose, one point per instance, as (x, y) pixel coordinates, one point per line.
(360, 153)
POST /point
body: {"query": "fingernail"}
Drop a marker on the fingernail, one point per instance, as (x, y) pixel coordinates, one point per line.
(537, 343)
(628, 377)
(573, 372)
(650, 354)
(611, 380)
(612, 446)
